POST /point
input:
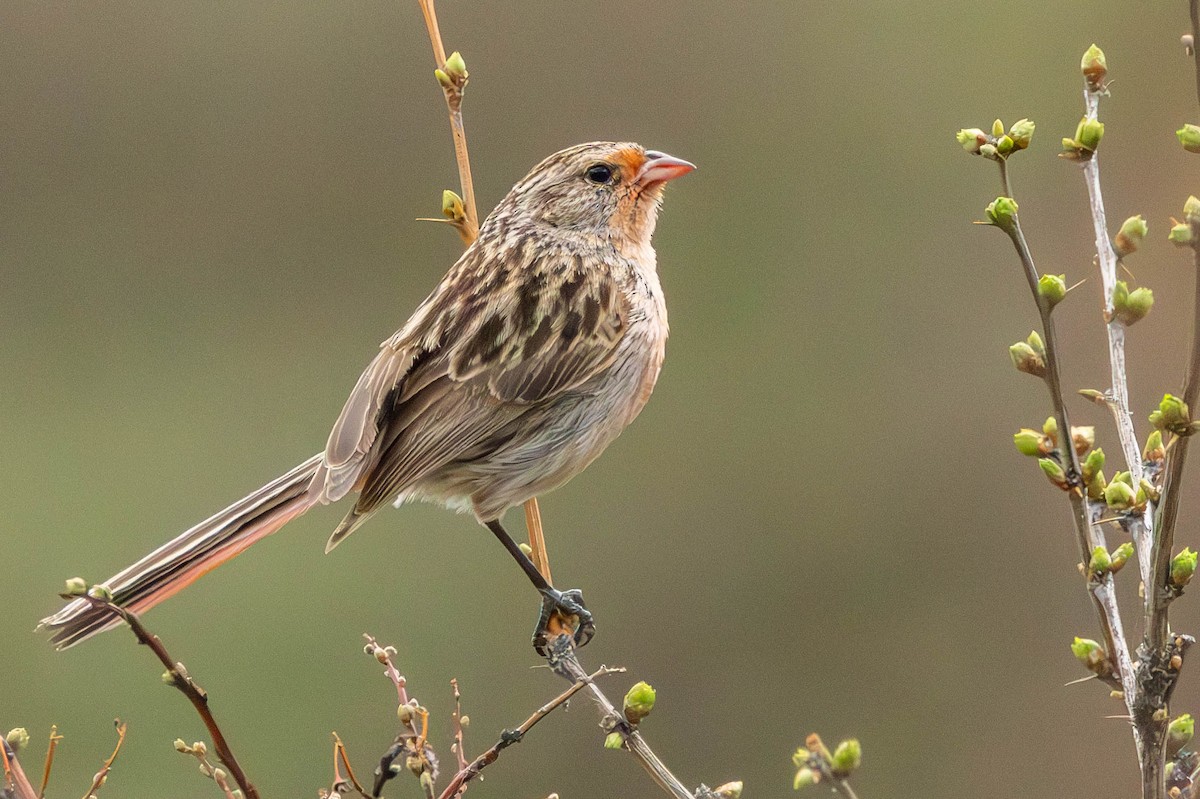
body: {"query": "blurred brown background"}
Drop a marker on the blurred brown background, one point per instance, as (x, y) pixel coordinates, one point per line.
(206, 225)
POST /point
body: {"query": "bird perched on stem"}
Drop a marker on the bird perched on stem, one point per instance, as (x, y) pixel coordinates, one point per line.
(533, 353)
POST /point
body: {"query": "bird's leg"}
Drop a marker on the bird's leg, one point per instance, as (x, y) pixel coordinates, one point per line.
(567, 605)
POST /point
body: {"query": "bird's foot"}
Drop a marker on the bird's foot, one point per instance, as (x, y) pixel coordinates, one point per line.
(562, 612)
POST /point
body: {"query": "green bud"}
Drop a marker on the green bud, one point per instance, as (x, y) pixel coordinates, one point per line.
(1052, 288)
(17, 738)
(800, 757)
(1191, 210)
(1189, 137)
(1100, 563)
(1096, 486)
(1035, 341)
(456, 67)
(76, 586)
(1130, 307)
(1002, 212)
(452, 206)
(443, 79)
(989, 152)
(846, 757)
(971, 139)
(1021, 133)
(101, 592)
(1093, 395)
(1120, 556)
(1089, 133)
(1119, 495)
(614, 740)
(1154, 451)
(167, 677)
(1130, 236)
(1005, 145)
(1050, 428)
(1146, 491)
(804, 778)
(639, 701)
(1179, 734)
(528, 550)
(1183, 566)
(1181, 234)
(1091, 655)
(1054, 473)
(1030, 442)
(1092, 464)
(1094, 68)
(1027, 360)
(181, 746)
(997, 129)
(1172, 416)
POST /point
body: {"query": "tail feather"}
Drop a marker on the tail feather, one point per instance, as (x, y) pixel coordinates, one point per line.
(186, 558)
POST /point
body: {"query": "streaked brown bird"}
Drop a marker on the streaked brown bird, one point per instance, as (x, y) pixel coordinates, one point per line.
(533, 353)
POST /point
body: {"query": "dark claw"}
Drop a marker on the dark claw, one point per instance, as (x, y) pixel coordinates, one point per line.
(569, 604)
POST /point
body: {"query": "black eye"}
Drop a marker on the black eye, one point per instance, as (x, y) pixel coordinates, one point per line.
(599, 173)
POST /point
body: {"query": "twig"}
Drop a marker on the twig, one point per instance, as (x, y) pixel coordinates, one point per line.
(14, 775)
(454, 96)
(457, 719)
(383, 654)
(340, 758)
(1087, 534)
(178, 677)
(1118, 401)
(53, 745)
(509, 737)
(565, 663)
(102, 775)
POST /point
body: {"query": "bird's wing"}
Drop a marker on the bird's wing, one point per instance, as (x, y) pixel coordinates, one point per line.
(486, 347)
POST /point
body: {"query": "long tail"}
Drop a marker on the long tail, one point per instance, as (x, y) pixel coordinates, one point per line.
(183, 560)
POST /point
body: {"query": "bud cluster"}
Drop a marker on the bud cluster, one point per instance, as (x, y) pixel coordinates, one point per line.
(814, 762)
(997, 145)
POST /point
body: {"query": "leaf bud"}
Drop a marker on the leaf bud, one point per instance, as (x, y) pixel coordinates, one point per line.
(1189, 137)
(1120, 556)
(1094, 67)
(1119, 495)
(1183, 566)
(1030, 442)
(1179, 734)
(1130, 236)
(1055, 474)
(1002, 212)
(847, 756)
(1021, 133)
(1052, 288)
(639, 701)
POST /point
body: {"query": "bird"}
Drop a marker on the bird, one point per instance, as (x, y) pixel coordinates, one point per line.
(538, 347)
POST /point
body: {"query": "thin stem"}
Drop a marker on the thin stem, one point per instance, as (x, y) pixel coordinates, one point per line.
(454, 96)
(1087, 535)
(565, 663)
(1004, 182)
(187, 686)
(510, 737)
(1118, 401)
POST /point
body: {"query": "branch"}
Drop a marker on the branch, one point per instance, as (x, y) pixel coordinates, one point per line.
(1087, 534)
(510, 737)
(177, 675)
(565, 663)
(452, 88)
(1118, 399)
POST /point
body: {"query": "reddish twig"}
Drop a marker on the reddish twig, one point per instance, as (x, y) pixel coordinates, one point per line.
(102, 775)
(177, 676)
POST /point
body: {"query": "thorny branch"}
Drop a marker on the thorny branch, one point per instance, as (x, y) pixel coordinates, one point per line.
(179, 678)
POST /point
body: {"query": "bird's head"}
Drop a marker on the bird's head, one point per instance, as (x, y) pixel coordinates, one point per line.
(611, 190)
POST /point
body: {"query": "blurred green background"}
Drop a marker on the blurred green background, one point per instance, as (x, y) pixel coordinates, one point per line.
(819, 522)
